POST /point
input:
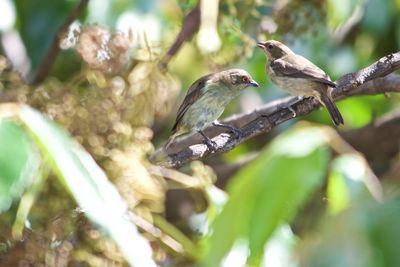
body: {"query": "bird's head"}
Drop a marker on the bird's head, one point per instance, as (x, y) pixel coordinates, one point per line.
(274, 49)
(237, 78)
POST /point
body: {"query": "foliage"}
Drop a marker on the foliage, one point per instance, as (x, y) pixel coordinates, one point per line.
(266, 193)
(76, 185)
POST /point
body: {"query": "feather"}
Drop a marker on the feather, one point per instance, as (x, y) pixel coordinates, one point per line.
(297, 66)
(195, 92)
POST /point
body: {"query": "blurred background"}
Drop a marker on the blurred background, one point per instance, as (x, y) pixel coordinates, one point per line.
(112, 74)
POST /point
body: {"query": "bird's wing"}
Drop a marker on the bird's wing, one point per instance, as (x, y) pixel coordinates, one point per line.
(299, 67)
(194, 93)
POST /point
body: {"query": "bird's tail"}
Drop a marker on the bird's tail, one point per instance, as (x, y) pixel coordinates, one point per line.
(160, 156)
(327, 101)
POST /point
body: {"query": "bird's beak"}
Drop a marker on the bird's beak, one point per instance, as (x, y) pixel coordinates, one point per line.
(261, 45)
(253, 83)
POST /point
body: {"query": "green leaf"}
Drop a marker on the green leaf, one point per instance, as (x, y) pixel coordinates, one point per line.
(88, 184)
(340, 10)
(268, 192)
(281, 247)
(38, 22)
(28, 200)
(350, 181)
(379, 17)
(361, 110)
(19, 162)
(369, 230)
(337, 193)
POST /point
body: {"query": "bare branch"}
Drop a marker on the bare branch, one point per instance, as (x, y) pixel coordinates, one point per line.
(378, 141)
(370, 80)
(190, 26)
(48, 61)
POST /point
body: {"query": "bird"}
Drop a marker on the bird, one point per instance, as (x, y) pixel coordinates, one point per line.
(206, 100)
(299, 77)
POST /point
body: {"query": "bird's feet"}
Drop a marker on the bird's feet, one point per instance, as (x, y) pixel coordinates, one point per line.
(233, 130)
(290, 108)
(293, 111)
(212, 146)
(290, 104)
(236, 132)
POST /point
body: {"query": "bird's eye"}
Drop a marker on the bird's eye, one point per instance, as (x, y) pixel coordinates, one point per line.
(270, 46)
(245, 79)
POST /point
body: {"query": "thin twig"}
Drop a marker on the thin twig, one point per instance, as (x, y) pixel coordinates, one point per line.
(172, 239)
(190, 26)
(366, 81)
(48, 61)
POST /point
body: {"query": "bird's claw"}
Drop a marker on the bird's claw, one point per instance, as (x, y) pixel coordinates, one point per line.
(233, 130)
(236, 132)
(293, 111)
(211, 145)
(290, 108)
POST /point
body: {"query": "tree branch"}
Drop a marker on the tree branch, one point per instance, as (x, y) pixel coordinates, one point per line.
(190, 26)
(48, 61)
(370, 80)
(378, 141)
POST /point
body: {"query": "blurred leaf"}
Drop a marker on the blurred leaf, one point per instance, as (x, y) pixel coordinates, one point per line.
(89, 185)
(38, 21)
(235, 154)
(398, 31)
(382, 222)
(349, 182)
(365, 235)
(27, 201)
(341, 62)
(361, 110)
(338, 193)
(340, 10)
(268, 192)
(378, 17)
(279, 249)
(237, 255)
(172, 231)
(278, 252)
(216, 198)
(66, 64)
(19, 162)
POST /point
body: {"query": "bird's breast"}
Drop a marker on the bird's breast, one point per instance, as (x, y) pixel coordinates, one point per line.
(207, 108)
